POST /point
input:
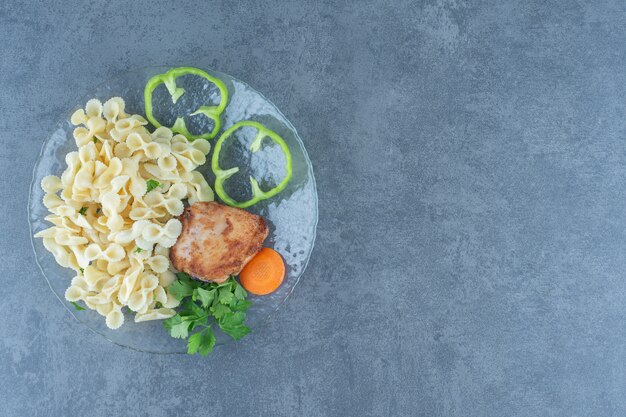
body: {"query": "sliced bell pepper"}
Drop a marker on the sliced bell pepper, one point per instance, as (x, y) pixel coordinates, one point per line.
(169, 79)
(222, 175)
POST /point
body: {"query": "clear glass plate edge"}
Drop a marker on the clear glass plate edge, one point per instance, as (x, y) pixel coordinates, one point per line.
(33, 184)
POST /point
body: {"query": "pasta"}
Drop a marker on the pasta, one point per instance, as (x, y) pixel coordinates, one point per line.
(106, 226)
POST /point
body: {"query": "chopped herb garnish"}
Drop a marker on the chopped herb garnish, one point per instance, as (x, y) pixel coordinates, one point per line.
(138, 250)
(76, 306)
(204, 304)
(95, 139)
(83, 210)
(201, 342)
(82, 271)
(151, 185)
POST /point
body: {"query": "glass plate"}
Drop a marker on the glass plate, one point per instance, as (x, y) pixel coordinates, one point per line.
(292, 214)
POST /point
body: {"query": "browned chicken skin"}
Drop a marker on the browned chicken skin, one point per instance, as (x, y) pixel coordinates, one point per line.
(217, 241)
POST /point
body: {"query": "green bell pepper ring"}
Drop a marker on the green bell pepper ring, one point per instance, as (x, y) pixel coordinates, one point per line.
(222, 175)
(169, 79)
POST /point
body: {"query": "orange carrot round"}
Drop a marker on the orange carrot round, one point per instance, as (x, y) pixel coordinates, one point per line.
(264, 273)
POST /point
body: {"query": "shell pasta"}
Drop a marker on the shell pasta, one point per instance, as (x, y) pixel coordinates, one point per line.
(113, 210)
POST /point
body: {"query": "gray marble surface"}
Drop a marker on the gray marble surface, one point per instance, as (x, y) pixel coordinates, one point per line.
(471, 170)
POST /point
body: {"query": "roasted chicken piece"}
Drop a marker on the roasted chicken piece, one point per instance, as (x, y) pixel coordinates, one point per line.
(217, 241)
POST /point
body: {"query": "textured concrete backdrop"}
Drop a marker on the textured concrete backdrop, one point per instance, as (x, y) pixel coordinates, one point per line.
(472, 174)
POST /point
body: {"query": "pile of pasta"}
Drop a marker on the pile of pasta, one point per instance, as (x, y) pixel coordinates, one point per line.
(108, 226)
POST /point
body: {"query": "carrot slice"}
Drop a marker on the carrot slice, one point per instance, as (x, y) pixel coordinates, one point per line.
(264, 273)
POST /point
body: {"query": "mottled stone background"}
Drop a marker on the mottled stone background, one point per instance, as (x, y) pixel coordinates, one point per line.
(471, 170)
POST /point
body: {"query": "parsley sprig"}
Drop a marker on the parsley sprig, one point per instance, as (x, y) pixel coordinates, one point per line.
(204, 304)
(77, 306)
(151, 185)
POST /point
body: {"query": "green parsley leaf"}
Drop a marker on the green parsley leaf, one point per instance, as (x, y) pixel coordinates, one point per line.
(83, 210)
(138, 250)
(234, 318)
(95, 139)
(201, 342)
(177, 326)
(225, 296)
(205, 296)
(220, 310)
(241, 305)
(232, 325)
(183, 276)
(193, 344)
(76, 306)
(82, 271)
(207, 342)
(194, 314)
(201, 321)
(187, 280)
(181, 289)
(236, 332)
(151, 185)
(228, 283)
(192, 310)
(240, 293)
